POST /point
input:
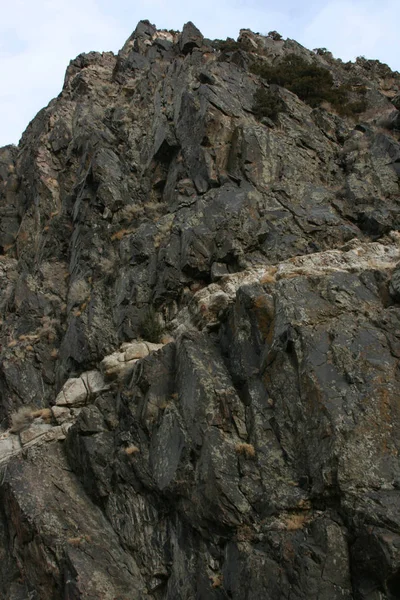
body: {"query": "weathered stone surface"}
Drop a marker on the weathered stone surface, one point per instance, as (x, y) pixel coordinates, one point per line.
(394, 286)
(138, 350)
(67, 549)
(9, 446)
(78, 391)
(190, 38)
(210, 306)
(94, 382)
(61, 413)
(396, 101)
(218, 270)
(74, 392)
(36, 430)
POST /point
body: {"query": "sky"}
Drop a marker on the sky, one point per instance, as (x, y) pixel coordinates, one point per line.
(38, 38)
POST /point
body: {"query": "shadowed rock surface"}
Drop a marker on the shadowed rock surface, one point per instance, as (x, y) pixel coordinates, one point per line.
(200, 331)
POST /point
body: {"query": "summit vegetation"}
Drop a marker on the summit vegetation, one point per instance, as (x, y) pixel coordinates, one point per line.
(310, 82)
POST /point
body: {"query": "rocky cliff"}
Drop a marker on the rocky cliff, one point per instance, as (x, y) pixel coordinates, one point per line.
(200, 327)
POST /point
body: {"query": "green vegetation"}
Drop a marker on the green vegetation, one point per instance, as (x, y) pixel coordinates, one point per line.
(322, 52)
(267, 104)
(151, 328)
(275, 35)
(311, 83)
(228, 45)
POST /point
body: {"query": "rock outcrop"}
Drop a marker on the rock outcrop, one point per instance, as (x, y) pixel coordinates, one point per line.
(200, 330)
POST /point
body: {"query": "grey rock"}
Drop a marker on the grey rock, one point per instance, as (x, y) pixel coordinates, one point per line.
(218, 270)
(190, 38)
(396, 101)
(252, 450)
(394, 286)
(73, 529)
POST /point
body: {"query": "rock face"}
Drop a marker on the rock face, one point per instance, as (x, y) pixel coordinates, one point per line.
(200, 332)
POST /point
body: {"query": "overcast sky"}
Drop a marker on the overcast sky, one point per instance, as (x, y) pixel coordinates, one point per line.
(38, 38)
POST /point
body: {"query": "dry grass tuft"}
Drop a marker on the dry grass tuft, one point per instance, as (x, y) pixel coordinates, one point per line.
(246, 450)
(269, 276)
(131, 450)
(43, 413)
(216, 580)
(295, 521)
(245, 533)
(8, 247)
(24, 417)
(118, 235)
(77, 541)
(21, 419)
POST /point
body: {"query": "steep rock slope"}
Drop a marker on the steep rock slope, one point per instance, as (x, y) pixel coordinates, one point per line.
(254, 452)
